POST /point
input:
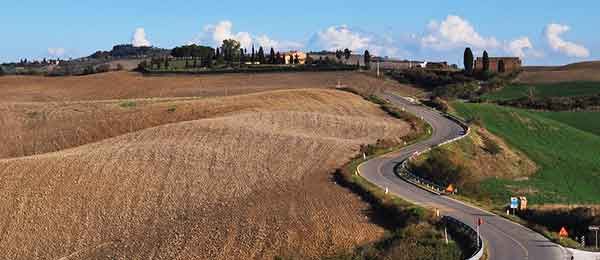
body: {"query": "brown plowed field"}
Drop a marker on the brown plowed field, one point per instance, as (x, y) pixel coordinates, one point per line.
(244, 177)
(584, 71)
(128, 85)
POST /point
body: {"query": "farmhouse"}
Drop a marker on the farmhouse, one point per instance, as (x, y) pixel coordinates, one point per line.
(500, 64)
(292, 54)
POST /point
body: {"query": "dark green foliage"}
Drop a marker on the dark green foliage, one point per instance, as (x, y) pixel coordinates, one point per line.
(486, 61)
(367, 59)
(468, 61)
(438, 168)
(261, 55)
(2, 73)
(459, 90)
(192, 51)
(347, 54)
(230, 49)
(272, 56)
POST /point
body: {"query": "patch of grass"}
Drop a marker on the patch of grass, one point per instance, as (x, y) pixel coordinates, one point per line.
(585, 121)
(568, 158)
(128, 104)
(565, 89)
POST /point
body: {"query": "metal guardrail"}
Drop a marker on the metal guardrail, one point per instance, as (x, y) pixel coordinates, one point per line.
(405, 173)
(462, 227)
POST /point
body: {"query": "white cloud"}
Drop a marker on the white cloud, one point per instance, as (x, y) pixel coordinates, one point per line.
(56, 52)
(518, 46)
(341, 37)
(215, 34)
(455, 32)
(139, 38)
(553, 33)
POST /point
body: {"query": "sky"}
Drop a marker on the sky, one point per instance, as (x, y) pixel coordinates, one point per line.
(541, 32)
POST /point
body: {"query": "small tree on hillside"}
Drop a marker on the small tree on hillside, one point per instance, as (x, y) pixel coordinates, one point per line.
(367, 59)
(347, 54)
(486, 61)
(272, 56)
(468, 60)
(338, 54)
(261, 55)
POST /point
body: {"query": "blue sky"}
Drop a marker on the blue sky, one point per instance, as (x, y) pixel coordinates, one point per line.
(543, 32)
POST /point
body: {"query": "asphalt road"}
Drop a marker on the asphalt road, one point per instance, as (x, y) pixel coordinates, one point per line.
(504, 239)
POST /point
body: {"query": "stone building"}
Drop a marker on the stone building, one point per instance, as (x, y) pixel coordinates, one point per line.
(292, 54)
(500, 64)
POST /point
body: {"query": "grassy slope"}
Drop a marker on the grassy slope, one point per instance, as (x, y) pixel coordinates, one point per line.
(586, 121)
(545, 90)
(567, 157)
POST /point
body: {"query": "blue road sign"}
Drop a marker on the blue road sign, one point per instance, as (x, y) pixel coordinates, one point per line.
(514, 203)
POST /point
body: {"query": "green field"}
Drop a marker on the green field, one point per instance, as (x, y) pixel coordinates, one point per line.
(569, 158)
(585, 121)
(544, 90)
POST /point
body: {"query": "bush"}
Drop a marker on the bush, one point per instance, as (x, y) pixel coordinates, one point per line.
(439, 168)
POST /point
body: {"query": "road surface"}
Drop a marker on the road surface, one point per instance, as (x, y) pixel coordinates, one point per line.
(504, 239)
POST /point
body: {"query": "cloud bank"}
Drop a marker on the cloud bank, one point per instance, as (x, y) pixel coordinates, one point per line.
(139, 38)
(341, 37)
(215, 34)
(454, 32)
(553, 37)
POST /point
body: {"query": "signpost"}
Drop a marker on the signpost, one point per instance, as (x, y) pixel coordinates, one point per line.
(595, 228)
(563, 232)
(479, 223)
(514, 203)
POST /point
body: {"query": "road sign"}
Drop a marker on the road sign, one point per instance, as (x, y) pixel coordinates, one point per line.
(514, 202)
(563, 232)
(450, 189)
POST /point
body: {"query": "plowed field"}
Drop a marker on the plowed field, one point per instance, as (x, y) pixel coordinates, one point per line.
(241, 177)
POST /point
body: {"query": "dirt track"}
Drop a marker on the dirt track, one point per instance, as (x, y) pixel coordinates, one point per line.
(215, 178)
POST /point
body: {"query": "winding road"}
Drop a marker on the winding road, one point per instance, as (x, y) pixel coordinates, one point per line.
(504, 240)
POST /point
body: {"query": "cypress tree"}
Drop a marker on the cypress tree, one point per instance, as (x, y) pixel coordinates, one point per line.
(272, 56)
(468, 60)
(486, 61)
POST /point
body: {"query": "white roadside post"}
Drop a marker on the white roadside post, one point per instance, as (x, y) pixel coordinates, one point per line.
(595, 228)
(386, 190)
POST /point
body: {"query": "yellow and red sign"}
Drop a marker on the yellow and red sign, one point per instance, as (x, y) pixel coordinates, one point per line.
(563, 232)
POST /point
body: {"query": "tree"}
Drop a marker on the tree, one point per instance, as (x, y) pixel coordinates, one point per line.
(367, 59)
(230, 48)
(347, 54)
(486, 61)
(253, 58)
(296, 59)
(272, 56)
(2, 73)
(468, 60)
(278, 58)
(338, 54)
(261, 55)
